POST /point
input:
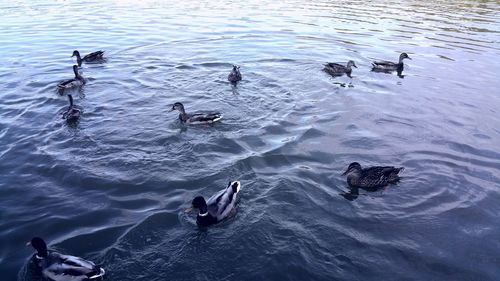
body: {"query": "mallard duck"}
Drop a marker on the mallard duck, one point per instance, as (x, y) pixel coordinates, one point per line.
(235, 74)
(196, 118)
(58, 267)
(92, 57)
(335, 69)
(371, 177)
(75, 82)
(387, 66)
(73, 112)
(219, 207)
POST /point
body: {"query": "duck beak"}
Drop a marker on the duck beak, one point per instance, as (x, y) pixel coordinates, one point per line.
(409, 58)
(345, 173)
(354, 66)
(189, 210)
(28, 244)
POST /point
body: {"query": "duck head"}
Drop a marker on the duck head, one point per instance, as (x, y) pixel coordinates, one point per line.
(350, 64)
(76, 54)
(403, 56)
(353, 167)
(200, 204)
(178, 106)
(39, 246)
(236, 68)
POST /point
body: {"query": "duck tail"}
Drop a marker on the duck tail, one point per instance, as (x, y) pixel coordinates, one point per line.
(399, 170)
(98, 274)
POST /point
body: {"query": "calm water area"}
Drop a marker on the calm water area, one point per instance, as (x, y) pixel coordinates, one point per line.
(113, 187)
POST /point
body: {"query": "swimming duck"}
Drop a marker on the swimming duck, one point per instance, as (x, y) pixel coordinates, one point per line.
(387, 66)
(75, 82)
(335, 69)
(235, 74)
(196, 118)
(219, 207)
(73, 112)
(92, 57)
(371, 177)
(58, 267)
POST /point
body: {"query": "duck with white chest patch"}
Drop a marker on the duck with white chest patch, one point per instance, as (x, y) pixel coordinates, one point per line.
(218, 207)
(58, 267)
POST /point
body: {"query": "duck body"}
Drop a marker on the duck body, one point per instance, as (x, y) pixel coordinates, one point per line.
(336, 69)
(59, 267)
(218, 207)
(371, 178)
(235, 74)
(196, 118)
(71, 83)
(387, 66)
(73, 112)
(92, 57)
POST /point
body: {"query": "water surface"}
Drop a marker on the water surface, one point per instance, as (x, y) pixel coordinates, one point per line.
(114, 187)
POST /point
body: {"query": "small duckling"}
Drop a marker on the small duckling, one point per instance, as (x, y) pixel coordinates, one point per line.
(59, 267)
(219, 207)
(92, 57)
(371, 177)
(73, 112)
(335, 69)
(387, 66)
(75, 82)
(235, 74)
(196, 118)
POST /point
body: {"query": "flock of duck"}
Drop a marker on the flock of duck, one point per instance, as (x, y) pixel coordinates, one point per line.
(220, 206)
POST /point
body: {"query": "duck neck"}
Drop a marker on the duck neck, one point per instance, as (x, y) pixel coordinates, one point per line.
(79, 59)
(204, 218)
(42, 253)
(203, 211)
(70, 100)
(77, 75)
(183, 115)
(353, 177)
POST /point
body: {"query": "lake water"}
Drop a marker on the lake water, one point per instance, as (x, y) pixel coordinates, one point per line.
(113, 188)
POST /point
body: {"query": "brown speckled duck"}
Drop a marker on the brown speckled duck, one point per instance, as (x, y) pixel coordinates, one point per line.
(371, 177)
(196, 118)
(92, 57)
(235, 74)
(387, 66)
(73, 112)
(71, 83)
(335, 69)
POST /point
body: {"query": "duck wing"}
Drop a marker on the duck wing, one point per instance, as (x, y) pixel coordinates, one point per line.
(385, 66)
(335, 69)
(234, 76)
(221, 204)
(93, 56)
(379, 176)
(335, 65)
(61, 267)
(73, 112)
(204, 118)
(383, 63)
(69, 83)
